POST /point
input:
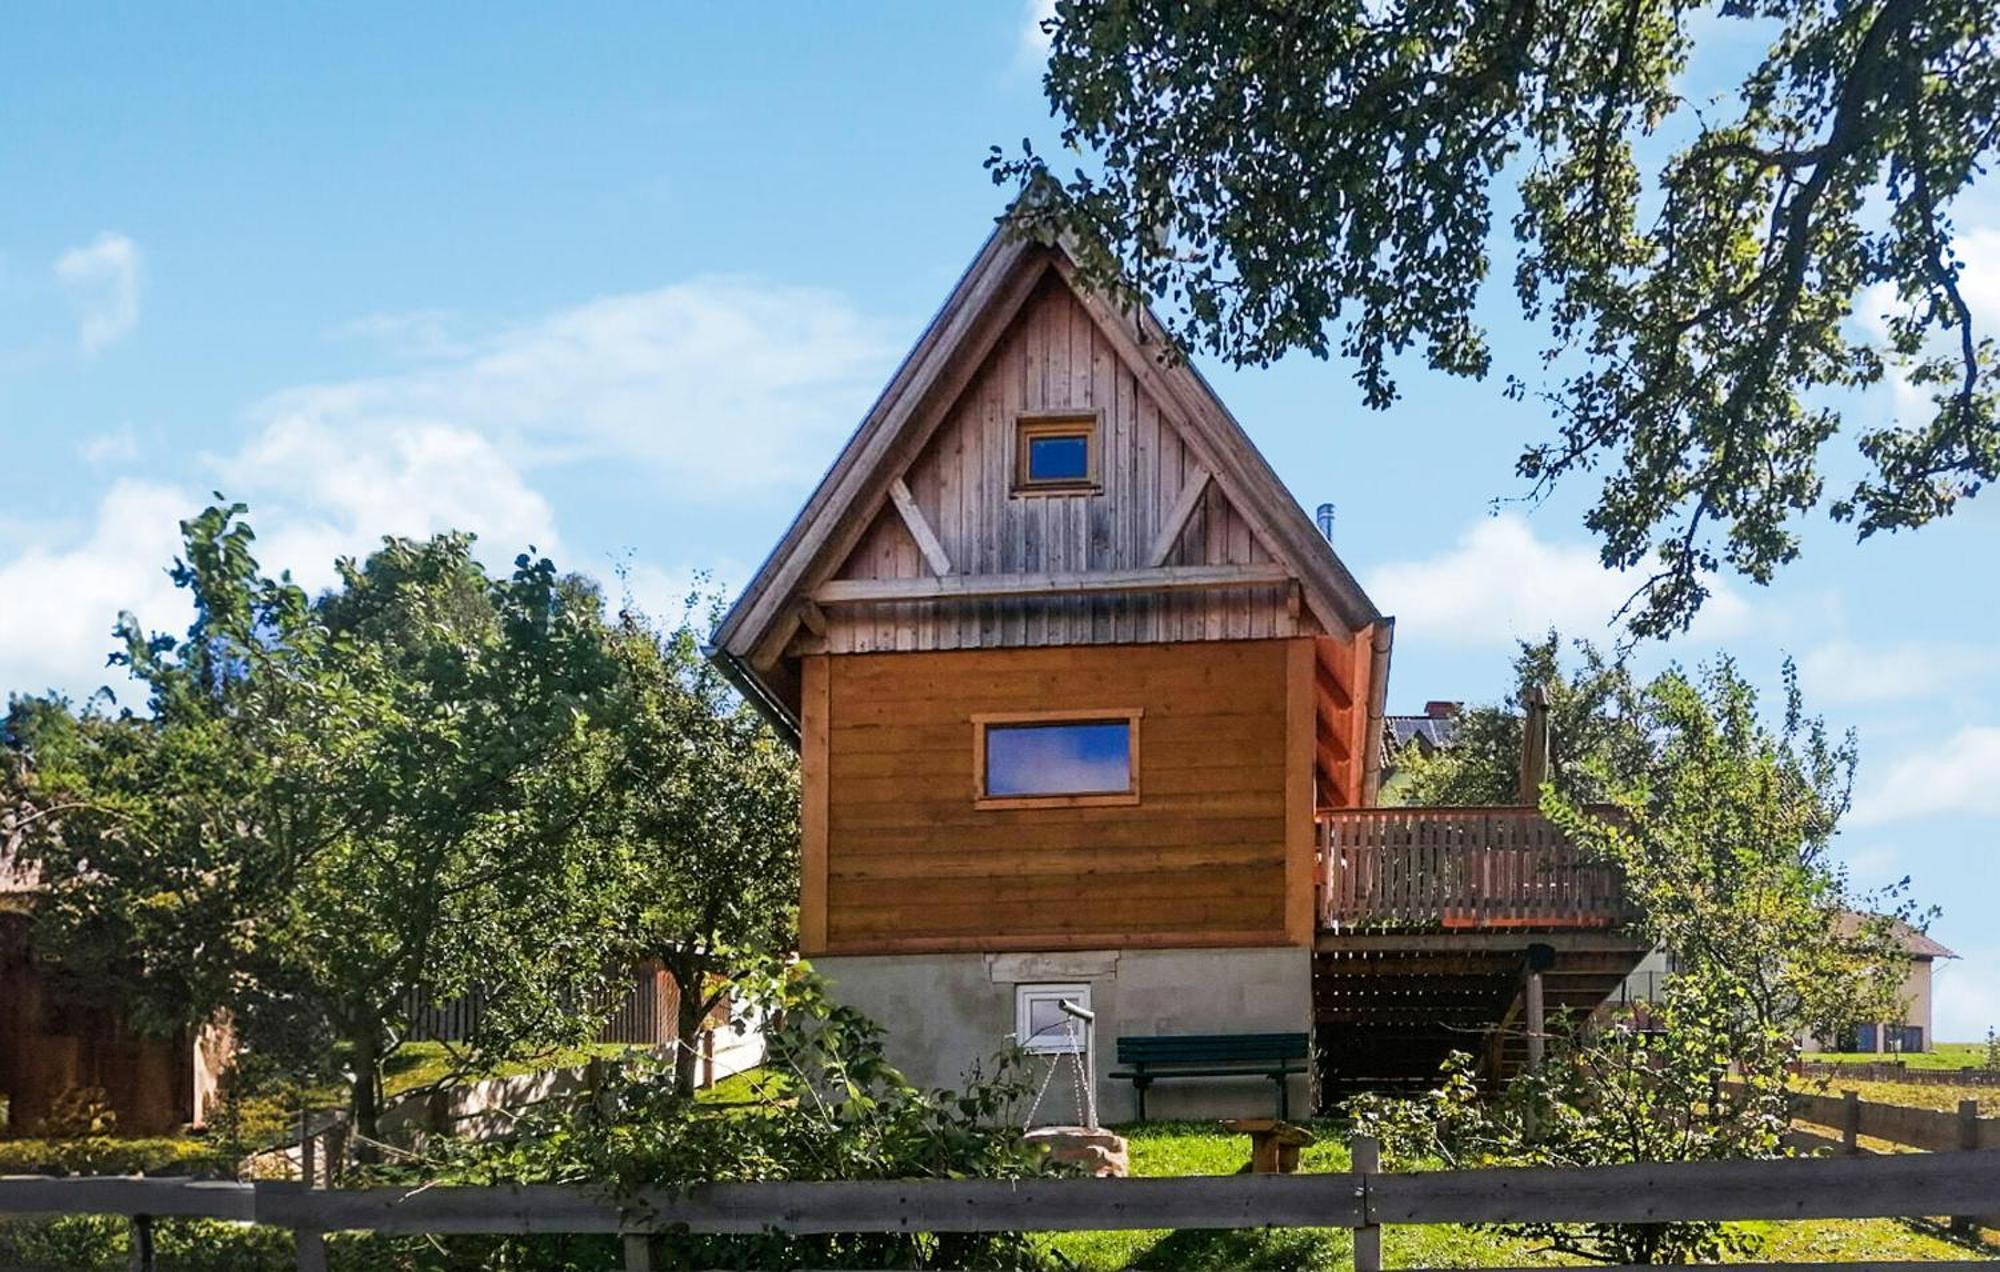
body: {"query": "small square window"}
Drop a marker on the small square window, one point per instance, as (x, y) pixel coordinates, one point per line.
(1055, 453)
(1042, 1027)
(1048, 759)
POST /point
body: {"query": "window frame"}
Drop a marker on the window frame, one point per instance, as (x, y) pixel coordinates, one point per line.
(1089, 424)
(1129, 716)
(1077, 992)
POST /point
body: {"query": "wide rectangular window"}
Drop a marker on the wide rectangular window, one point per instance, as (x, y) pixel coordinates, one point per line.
(1057, 758)
(1055, 453)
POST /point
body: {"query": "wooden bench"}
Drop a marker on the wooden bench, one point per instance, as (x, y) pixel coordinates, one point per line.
(1276, 1056)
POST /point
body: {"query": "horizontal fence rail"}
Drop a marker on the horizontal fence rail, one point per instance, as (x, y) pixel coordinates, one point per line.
(1910, 1185)
(1894, 1071)
(1451, 868)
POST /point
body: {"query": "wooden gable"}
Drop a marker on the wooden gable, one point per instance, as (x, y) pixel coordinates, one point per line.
(1155, 506)
(917, 539)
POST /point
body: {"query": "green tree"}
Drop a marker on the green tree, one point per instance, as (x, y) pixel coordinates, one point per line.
(338, 810)
(1721, 826)
(1319, 176)
(704, 807)
(1594, 729)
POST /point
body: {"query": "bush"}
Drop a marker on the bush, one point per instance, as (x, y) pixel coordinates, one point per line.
(827, 1107)
(103, 1155)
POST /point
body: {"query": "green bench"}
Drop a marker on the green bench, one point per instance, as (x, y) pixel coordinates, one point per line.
(1277, 1056)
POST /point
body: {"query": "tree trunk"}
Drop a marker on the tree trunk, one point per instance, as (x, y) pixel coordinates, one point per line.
(365, 1095)
(689, 1011)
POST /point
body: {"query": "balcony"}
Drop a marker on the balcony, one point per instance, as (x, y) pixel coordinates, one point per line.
(1451, 870)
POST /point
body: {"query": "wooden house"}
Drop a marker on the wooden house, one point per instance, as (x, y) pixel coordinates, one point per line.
(1088, 708)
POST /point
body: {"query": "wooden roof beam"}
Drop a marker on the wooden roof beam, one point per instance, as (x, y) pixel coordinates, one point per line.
(1178, 578)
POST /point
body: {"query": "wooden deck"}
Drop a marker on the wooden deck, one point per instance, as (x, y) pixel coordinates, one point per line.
(1458, 870)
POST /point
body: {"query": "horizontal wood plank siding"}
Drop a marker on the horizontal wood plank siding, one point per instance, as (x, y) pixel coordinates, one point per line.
(1200, 860)
(1055, 359)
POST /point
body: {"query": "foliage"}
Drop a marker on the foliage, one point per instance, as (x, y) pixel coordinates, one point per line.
(1604, 1097)
(1720, 827)
(703, 809)
(1992, 1048)
(1723, 842)
(337, 808)
(106, 1155)
(1282, 172)
(79, 1113)
(1593, 730)
(828, 1107)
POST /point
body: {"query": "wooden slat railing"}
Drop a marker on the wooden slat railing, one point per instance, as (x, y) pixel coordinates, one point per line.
(1454, 869)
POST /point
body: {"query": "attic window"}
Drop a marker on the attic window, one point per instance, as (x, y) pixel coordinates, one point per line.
(1056, 759)
(1055, 453)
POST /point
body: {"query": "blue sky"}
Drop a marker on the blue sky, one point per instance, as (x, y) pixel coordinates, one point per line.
(618, 287)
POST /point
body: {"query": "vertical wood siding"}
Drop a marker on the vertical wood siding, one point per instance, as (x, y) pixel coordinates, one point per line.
(911, 864)
(1055, 359)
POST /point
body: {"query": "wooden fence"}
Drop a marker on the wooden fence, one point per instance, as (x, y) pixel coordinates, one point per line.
(1894, 1071)
(1363, 1200)
(1449, 868)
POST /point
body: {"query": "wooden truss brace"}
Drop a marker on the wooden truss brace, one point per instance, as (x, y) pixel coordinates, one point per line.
(920, 529)
(1177, 519)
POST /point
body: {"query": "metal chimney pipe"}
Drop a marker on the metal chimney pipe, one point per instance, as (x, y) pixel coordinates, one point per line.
(1324, 516)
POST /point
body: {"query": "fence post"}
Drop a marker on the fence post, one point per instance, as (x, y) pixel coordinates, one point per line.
(308, 1245)
(140, 1258)
(1366, 1155)
(638, 1252)
(1968, 1139)
(1850, 1122)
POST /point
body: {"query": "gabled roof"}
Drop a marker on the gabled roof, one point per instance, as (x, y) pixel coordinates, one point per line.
(752, 636)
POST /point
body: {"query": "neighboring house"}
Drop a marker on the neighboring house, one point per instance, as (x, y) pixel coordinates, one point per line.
(1912, 1032)
(1087, 708)
(50, 1044)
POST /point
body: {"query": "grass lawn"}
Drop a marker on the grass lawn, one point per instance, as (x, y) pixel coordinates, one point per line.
(1196, 1148)
(1945, 1055)
(1914, 1095)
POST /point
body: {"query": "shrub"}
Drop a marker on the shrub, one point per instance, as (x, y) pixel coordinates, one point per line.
(103, 1155)
(828, 1106)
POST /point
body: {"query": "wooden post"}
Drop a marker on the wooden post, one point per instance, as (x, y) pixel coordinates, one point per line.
(308, 1245)
(140, 1258)
(1850, 1123)
(1968, 1140)
(305, 1147)
(1535, 1040)
(1366, 1153)
(638, 1252)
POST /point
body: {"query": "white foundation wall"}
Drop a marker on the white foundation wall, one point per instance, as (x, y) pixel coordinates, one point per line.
(946, 1013)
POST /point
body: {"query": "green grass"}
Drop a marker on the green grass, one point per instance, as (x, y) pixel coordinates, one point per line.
(1197, 1148)
(1945, 1055)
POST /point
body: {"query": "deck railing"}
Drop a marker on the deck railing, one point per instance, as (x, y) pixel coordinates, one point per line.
(1455, 869)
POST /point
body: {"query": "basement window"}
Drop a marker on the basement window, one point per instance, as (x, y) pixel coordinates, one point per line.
(1040, 1024)
(1052, 759)
(1055, 453)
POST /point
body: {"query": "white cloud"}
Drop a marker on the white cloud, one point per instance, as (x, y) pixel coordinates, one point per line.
(119, 446)
(1035, 40)
(327, 492)
(1979, 281)
(101, 280)
(1958, 774)
(1847, 672)
(722, 385)
(1965, 998)
(59, 605)
(1500, 583)
(719, 387)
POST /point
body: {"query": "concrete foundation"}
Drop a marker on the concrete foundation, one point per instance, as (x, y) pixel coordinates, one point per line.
(946, 1013)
